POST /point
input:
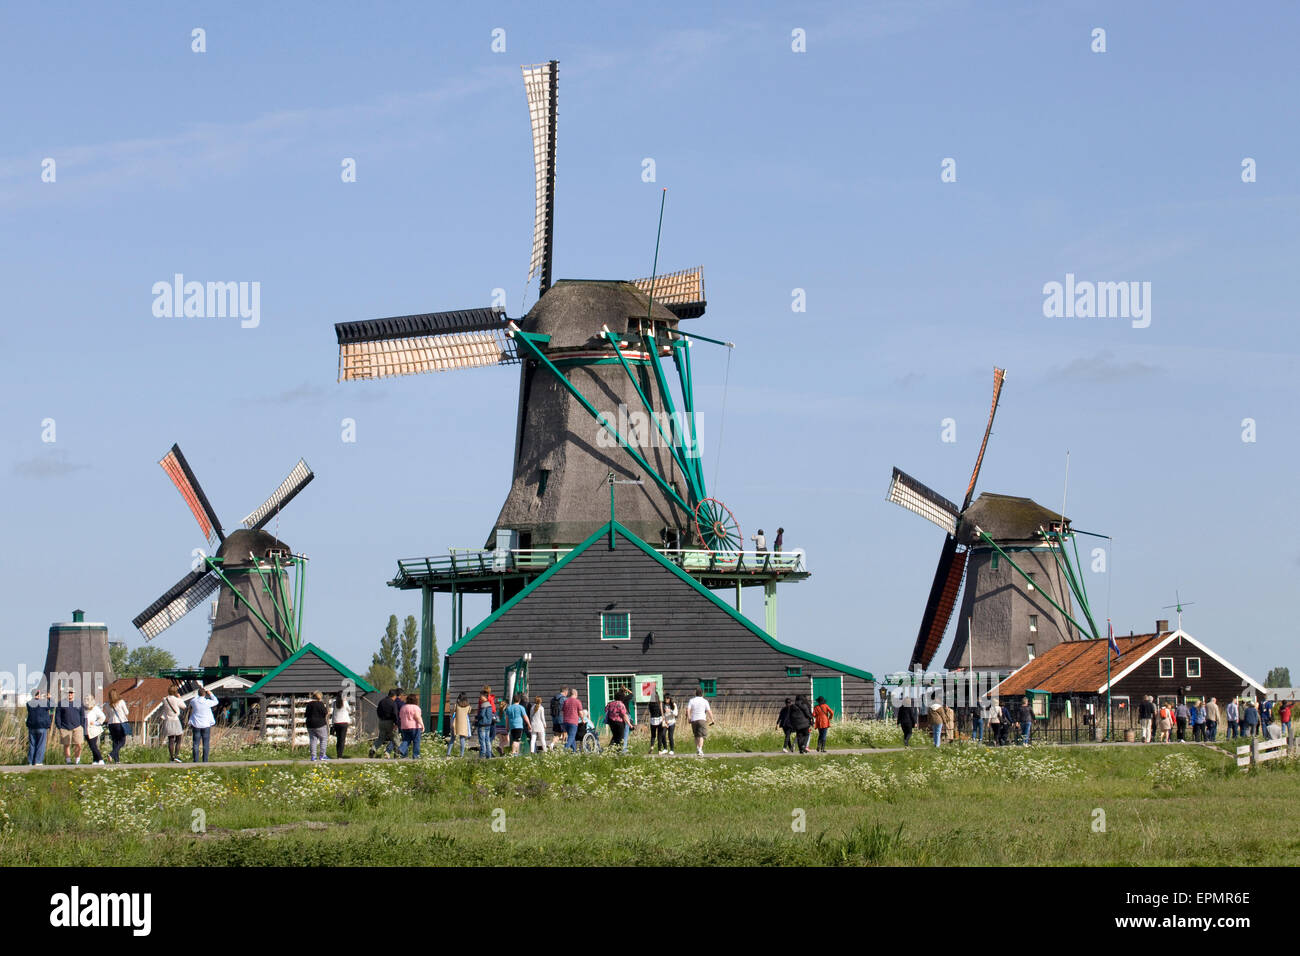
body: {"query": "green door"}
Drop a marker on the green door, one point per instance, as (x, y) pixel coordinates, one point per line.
(832, 688)
(596, 698)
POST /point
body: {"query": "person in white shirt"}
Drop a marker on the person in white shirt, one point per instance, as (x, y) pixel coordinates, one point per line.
(700, 715)
(340, 722)
(94, 727)
(201, 721)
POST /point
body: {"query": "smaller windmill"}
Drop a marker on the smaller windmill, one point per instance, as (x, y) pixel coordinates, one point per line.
(258, 621)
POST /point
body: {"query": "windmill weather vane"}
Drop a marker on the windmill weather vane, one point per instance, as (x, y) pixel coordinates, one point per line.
(1178, 606)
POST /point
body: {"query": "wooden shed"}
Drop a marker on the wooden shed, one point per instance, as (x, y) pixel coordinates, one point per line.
(614, 612)
(286, 690)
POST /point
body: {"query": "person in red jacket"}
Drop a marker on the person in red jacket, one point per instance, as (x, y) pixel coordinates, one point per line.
(822, 717)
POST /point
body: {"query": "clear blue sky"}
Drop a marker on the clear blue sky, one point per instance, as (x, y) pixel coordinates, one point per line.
(818, 170)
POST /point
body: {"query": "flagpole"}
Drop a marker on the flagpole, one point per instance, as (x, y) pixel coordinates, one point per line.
(1110, 632)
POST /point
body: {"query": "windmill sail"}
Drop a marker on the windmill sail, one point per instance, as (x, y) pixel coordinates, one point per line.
(906, 491)
(178, 470)
(184, 596)
(938, 608)
(428, 342)
(540, 88)
(999, 375)
(681, 292)
(297, 480)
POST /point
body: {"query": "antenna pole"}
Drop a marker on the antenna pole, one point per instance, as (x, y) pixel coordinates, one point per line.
(1066, 492)
(654, 268)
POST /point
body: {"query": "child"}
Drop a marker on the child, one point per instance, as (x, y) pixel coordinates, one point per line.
(539, 727)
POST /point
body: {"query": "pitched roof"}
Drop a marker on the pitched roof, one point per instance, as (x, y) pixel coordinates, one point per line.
(142, 694)
(1005, 518)
(1078, 666)
(361, 683)
(631, 538)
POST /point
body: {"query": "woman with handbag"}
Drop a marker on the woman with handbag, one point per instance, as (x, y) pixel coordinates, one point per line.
(117, 726)
(670, 721)
(341, 720)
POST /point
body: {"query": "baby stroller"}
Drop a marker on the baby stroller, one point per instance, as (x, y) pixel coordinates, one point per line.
(587, 739)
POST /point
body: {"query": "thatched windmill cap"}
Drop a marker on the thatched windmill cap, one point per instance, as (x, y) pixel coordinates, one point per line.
(574, 311)
(1005, 518)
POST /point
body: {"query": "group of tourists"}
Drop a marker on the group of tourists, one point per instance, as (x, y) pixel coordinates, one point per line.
(562, 722)
(77, 725)
(1199, 720)
(797, 720)
(1000, 722)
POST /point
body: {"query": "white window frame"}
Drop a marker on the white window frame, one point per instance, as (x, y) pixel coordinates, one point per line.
(627, 616)
(1172, 670)
(1033, 624)
(1187, 666)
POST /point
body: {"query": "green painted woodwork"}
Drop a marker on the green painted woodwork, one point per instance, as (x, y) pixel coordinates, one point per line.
(832, 688)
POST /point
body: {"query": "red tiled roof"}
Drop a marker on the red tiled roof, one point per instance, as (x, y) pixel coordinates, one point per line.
(140, 700)
(1076, 666)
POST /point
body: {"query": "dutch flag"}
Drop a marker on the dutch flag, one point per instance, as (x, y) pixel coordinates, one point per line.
(1110, 636)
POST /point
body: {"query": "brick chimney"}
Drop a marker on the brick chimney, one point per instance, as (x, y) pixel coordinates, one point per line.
(1161, 626)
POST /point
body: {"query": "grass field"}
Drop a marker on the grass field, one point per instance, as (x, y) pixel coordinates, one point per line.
(1182, 806)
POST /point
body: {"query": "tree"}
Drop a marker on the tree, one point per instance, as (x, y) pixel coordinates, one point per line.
(384, 664)
(145, 662)
(408, 655)
(117, 657)
(1278, 677)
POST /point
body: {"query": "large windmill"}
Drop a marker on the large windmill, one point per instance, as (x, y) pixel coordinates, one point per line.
(258, 620)
(1019, 579)
(594, 398)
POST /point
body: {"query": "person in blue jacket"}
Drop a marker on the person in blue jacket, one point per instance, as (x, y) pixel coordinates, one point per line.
(39, 718)
(69, 719)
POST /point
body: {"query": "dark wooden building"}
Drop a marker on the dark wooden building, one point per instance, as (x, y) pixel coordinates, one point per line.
(284, 693)
(1067, 685)
(614, 612)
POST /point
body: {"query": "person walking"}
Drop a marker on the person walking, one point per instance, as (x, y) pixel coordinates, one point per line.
(700, 714)
(616, 720)
(670, 723)
(1250, 719)
(318, 735)
(39, 718)
(572, 713)
(822, 717)
(629, 705)
(1284, 717)
(460, 722)
(1166, 724)
(117, 717)
(976, 724)
(1265, 715)
(94, 727)
(935, 713)
(907, 720)
(1026, 722)
(1146, 715)
(517, 722)
(340, 722)
(949, 723)
(1193, 712)
(202, 706)
(1004, 726)
(484, 718)
(171, 708)
(993, 718)
(1200, 723)
(69, 720)
(557, 714)
(1181, 715)
(801, 719)
(1233, 714)
(1212, 716)
(655, 709)
(386, 712)
(410, 720)
(538, 720)
(783, 725)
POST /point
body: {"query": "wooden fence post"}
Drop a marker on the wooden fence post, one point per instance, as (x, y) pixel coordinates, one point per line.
(1254, 752)
(1290, 741)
